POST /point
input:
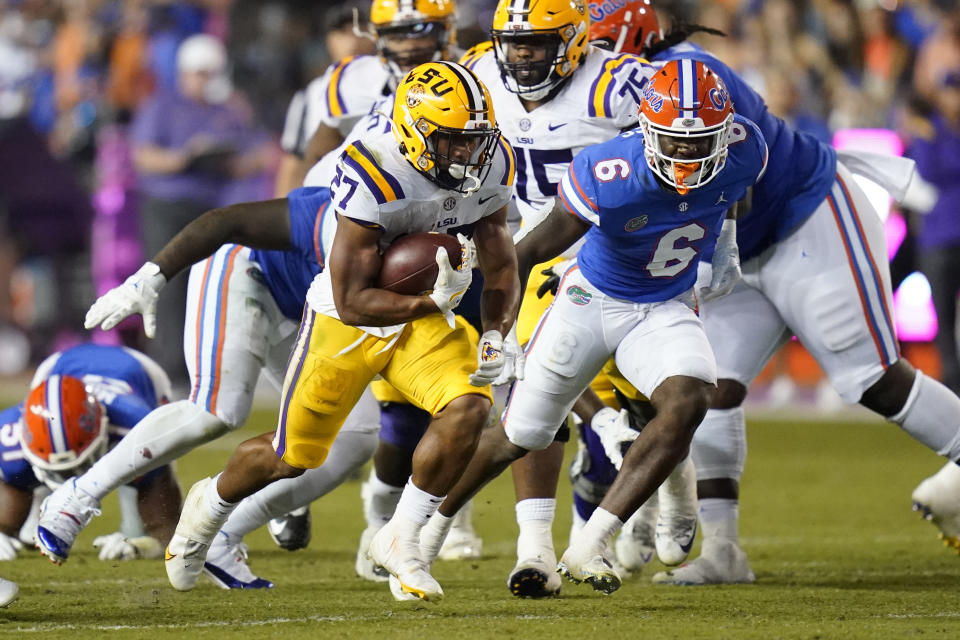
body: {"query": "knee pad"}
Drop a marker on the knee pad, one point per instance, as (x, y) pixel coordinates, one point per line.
(402, 425)
(720, 444)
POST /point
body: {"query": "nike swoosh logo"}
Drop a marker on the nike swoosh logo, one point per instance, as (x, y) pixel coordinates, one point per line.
(482, 200)
(167, 556)
(554, 127)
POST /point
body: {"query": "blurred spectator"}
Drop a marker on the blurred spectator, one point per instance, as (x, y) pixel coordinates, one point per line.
(938, 54)
(935, 145)
(188, 148)
(129, 80)
(341, 42)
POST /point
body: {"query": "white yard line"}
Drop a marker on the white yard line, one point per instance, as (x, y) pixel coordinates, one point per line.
(248, 623)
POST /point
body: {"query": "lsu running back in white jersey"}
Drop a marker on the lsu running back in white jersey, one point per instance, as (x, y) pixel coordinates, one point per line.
(374, 185)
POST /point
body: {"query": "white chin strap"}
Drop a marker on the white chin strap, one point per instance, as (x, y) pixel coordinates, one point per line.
(532, 94)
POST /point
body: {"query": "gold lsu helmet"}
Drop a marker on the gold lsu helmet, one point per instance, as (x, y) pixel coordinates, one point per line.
(397, 20)
(561, 27)
(443, 119)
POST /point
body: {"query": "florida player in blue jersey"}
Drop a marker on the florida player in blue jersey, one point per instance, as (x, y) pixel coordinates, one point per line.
(245, 307)
(83, 401)
(648, 204)
(815, 266)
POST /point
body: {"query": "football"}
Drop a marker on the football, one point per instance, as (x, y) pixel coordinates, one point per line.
(409, 264)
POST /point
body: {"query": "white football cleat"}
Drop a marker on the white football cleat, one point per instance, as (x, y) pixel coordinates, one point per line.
(635, 545)
(400, 556)
(721, 561)
(63, 515)
(396, 590)
(938, 500)
(535, 577)
(226, 565)
(187, 550)
(677, 522)
(462, 543)
(8, 592)
(364, 566)
(590, 567)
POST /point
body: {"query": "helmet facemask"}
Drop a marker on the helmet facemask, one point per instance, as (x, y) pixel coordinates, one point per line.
(395, 45)
(456, 159)
(534, 76)
(689, 170)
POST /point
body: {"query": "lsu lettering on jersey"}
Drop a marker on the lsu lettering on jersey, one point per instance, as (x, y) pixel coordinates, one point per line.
(288, 274)
(373, 184)
(801, 168)
(338, 99)
(126, 382)
(645, 239)
(599, 101)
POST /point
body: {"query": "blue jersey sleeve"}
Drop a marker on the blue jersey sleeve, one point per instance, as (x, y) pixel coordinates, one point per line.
(750, 145)
(305, 223)
(578, 189)
(14, 468)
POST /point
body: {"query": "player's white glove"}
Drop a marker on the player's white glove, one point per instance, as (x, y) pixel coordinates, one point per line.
(725, 263)
(138, 294)
(615, 433)
(515, 359)
(117, 546)
(452, 283)
(490, 359)
(9, 546)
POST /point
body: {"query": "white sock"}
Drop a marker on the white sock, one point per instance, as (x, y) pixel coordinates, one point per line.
(433, 534)
(165, 434)
(217, 508)
(380, 500)
(719, 518)
(931, 414)
(600, 528)
(416, 506)
(350, 451)
(535, 519)
(131, 525)
(719, 448)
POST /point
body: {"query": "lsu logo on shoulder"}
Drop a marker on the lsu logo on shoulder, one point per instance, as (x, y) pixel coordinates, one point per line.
(579, 296)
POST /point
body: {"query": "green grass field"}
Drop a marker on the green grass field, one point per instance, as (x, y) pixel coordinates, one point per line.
(826, 521)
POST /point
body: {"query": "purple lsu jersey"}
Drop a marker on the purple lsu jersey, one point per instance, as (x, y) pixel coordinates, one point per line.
(645, 239)
(800, 172)
(288, 274)
(116, 378)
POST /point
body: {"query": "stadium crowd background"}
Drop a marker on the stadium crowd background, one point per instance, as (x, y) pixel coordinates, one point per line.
(74, 75)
